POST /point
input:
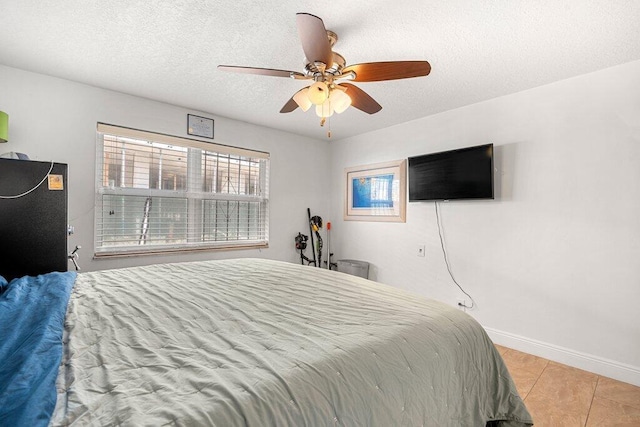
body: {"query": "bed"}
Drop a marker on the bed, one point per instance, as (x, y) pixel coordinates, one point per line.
(251, 342)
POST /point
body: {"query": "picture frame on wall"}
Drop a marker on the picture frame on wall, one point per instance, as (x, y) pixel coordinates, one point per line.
(199, 126)
(376, 192)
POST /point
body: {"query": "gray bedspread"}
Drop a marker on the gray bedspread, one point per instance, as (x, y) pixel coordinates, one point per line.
(252, 342)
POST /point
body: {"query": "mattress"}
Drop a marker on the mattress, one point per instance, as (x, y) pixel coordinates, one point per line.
(253, 342)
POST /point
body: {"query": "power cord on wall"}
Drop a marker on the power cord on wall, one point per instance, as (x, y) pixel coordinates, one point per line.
(446, 261)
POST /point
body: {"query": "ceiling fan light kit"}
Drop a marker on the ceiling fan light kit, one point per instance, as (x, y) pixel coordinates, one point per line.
(330, 91)
(302, 99)
(324, 110)
(340, 101)
(318, 93)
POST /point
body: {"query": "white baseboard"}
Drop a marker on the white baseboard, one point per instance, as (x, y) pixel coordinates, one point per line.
(588, 362)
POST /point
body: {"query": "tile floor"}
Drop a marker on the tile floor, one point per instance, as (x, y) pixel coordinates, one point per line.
(558, 395)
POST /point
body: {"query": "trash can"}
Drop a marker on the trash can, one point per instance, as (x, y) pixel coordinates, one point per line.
(354, 267)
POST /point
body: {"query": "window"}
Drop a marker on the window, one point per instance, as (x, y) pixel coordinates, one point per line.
(159, 193)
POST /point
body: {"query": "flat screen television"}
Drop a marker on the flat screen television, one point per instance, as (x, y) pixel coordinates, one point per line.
(466, 173)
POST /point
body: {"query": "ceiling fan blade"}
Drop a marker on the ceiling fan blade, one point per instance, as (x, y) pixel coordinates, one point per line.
(360, 99)
(393, 70)
(289, 106)
(262, 71)
(314, 39)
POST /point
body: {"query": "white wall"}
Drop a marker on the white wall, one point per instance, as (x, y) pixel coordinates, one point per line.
(553, 262)
(54, 119)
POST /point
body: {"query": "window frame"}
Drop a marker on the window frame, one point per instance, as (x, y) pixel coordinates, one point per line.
(201, 197)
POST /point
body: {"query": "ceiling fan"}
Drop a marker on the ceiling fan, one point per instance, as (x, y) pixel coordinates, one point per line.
(331, 91)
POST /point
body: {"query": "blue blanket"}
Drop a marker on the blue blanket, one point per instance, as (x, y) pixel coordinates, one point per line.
(32, 311)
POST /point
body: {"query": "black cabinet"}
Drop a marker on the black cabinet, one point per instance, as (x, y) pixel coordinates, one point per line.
(33, 227)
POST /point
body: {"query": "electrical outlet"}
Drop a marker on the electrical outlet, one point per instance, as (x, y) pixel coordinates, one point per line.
(421, 249)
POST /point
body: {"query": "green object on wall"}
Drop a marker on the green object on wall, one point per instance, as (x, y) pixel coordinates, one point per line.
(4, 126)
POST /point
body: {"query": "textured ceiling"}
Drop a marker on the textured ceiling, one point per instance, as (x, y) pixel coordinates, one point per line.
(169, 50)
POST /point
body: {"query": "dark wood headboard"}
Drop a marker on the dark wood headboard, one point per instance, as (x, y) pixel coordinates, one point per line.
(33, 227)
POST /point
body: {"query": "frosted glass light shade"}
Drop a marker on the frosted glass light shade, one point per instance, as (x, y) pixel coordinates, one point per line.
(340, 101)
(4, 126)
(325, 109)
(302, 99)
(318, 93)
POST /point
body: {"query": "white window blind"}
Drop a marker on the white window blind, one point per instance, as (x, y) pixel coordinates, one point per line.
(160, 193)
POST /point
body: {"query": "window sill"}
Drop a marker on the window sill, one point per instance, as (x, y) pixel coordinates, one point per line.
(174, 251)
